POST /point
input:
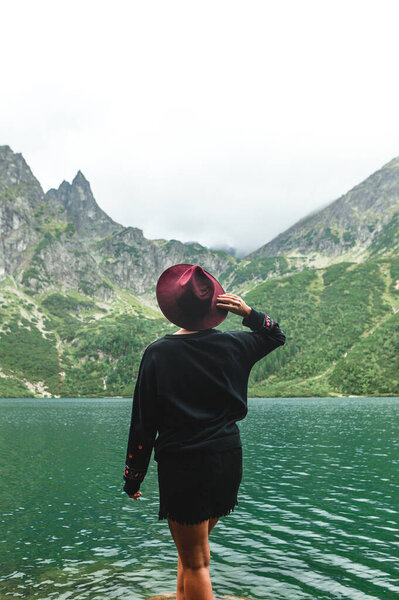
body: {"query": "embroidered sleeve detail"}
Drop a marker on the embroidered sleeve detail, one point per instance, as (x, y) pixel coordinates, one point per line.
(258, 321)
(133, 474)
(265, 336)
(268, 322)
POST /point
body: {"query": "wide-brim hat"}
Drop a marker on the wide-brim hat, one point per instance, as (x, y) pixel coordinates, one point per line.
(187, 296)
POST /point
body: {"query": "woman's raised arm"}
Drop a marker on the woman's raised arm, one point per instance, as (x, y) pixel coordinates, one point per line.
(266, 334)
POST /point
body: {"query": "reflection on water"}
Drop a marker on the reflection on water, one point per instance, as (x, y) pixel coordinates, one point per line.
(317, 516)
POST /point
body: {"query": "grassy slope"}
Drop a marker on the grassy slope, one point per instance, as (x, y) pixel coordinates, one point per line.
(67, 344)
(327, 313)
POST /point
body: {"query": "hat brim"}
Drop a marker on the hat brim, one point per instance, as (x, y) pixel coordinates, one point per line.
(165, 289)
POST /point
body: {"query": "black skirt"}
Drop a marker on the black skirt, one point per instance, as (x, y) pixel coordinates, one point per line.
(197, 486)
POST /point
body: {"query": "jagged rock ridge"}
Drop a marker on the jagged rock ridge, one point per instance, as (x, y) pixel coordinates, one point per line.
(63, 239)
(363, 221)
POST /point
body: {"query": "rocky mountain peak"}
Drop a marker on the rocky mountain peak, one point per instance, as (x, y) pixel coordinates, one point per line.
(64, 239)
(21, 198)
(365, 219)
(80, 180)
(15, 174)
(82, 208)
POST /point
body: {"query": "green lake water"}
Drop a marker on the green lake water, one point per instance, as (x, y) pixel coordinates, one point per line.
(318, 512)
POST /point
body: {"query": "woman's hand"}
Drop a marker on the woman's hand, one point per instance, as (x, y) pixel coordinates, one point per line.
(234, 304)
(136, 495)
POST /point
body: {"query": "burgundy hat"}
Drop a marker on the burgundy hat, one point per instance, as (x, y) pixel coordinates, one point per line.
(187, 296)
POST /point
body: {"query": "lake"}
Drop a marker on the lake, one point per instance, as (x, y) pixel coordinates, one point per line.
(318, 512)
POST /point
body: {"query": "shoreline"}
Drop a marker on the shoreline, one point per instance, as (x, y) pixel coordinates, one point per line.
(130, 397)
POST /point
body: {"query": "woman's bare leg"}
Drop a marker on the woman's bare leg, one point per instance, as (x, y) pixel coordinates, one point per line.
(192, 544)
(180, 570)
(180, 580)
(212, 523)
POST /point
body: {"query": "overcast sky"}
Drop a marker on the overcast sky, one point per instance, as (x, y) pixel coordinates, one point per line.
(218, 121)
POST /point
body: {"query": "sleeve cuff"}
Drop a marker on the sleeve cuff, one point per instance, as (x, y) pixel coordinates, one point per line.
(255, 319)
(131, 486)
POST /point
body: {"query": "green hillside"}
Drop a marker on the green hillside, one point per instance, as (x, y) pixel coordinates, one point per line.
(342, 327)
(341, 323)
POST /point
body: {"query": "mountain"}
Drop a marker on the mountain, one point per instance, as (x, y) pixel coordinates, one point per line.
(78, 306)
(362, 223)
(20, 196)
(82, 210)
(63, 240)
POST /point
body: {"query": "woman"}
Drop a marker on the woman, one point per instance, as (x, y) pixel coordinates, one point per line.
(191, 389)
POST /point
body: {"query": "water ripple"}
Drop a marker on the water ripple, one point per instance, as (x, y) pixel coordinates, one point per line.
(317, 513)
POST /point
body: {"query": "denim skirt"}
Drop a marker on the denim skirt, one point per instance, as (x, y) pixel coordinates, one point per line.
(197, 486)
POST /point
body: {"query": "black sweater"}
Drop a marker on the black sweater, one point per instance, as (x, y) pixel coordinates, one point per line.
(191, 389)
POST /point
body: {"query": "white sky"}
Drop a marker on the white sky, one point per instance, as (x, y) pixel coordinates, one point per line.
(218, 121)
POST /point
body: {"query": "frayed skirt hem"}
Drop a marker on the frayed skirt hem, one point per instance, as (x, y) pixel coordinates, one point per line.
(195, 520)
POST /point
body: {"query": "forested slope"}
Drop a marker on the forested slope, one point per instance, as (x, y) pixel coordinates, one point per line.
(341, 323)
